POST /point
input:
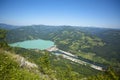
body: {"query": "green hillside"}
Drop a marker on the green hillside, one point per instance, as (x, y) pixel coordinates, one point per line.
(93, 44)
(52, 67)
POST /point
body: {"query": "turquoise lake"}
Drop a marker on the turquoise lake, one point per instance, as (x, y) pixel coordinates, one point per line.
(34, 44)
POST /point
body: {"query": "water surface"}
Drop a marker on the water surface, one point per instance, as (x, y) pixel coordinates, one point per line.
(34, 44)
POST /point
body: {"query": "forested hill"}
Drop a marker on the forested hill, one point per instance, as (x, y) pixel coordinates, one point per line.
(51, 67)
(94, 44)
(42, 65)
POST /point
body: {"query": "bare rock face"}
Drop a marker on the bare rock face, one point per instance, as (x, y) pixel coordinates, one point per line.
(22, 61)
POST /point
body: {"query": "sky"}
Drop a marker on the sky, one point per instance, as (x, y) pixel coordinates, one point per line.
(97, 13)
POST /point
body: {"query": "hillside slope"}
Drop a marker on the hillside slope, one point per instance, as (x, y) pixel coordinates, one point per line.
(12, 68)
(46, 65)
(93, 44)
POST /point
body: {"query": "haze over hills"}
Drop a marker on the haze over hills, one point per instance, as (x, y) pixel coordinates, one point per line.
(7, 26)
(10, 26)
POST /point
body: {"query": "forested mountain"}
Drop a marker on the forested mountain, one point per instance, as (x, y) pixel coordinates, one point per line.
(92, 44)
(96, 44)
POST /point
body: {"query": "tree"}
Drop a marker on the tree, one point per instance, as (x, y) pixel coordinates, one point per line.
(45, 62)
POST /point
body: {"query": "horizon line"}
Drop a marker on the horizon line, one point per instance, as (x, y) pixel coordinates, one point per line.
(62, 25)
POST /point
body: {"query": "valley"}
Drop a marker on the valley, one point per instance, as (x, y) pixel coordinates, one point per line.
(63, 49)
(31, 44)
(72, 57)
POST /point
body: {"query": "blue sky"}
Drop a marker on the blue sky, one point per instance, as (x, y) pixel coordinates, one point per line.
(99, 13)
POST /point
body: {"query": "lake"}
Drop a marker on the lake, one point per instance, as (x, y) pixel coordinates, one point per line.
(34, 44)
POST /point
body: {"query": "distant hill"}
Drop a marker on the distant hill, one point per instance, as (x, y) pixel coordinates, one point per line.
(7, 26)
